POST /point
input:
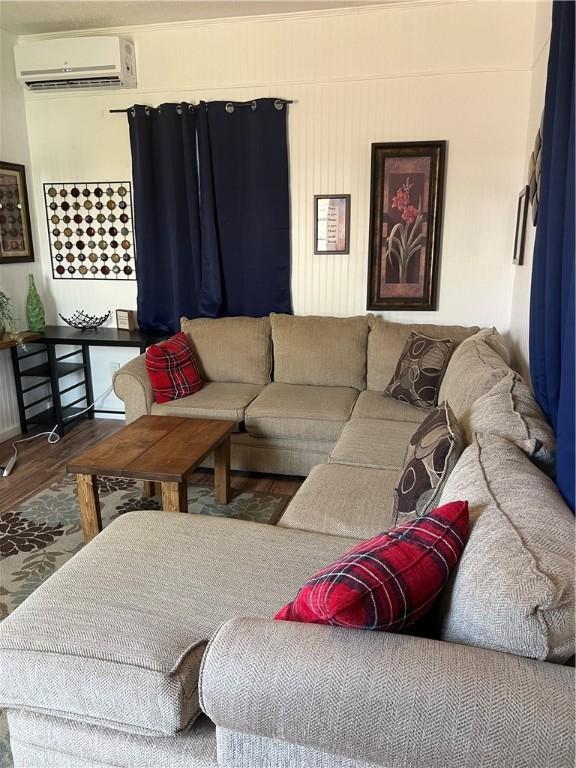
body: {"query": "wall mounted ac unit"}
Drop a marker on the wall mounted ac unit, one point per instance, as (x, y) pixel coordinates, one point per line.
(76, 62)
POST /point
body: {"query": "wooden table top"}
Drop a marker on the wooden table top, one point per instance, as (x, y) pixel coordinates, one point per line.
(158, 448)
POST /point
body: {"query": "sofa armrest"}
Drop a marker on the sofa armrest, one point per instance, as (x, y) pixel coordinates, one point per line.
(387, 699)
(132, 385)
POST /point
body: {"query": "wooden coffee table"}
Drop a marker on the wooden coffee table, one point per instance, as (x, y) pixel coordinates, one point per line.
(156, 449)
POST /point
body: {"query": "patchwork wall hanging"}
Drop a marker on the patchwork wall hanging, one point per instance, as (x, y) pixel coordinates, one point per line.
(90, 230)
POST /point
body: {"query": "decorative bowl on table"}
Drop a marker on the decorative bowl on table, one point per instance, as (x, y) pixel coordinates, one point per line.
(85, 322)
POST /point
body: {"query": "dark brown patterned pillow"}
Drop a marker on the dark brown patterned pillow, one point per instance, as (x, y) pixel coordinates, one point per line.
(432, 453)
(420, 370)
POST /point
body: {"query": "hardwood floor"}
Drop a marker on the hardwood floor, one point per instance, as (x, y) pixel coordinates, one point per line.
(40, 464)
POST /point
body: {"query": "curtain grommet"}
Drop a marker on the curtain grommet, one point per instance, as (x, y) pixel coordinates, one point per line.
(229, 108)
(147, 111)
(279, 105)
(179, 109)
(133, 111)
(253, 106)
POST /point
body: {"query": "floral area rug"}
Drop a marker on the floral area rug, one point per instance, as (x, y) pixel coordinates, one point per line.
(42, 533)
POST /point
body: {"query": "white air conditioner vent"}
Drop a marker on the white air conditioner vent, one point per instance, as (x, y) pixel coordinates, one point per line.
(76, 62)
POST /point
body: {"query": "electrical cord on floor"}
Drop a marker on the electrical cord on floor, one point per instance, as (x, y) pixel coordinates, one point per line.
(53, 436)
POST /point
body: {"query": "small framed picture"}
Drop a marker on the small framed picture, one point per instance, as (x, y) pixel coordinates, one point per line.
(126, 320)
(15, 232)
(521, 217)
(331, 223)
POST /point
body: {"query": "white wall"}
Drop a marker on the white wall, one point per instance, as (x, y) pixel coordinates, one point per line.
(425, 70)
(520, 309)
(13, 277)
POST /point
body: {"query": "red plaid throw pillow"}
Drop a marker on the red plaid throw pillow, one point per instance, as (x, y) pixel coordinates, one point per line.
(172, 369)
(387, 582)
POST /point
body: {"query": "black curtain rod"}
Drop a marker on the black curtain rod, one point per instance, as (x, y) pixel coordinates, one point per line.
(229, 107)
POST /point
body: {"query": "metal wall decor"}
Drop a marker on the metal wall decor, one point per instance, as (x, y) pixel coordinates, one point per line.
(90, 230)
(15, 233)
(535, 172)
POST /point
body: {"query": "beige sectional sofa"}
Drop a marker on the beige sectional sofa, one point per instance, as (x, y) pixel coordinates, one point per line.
(163, 617)
(291, 383)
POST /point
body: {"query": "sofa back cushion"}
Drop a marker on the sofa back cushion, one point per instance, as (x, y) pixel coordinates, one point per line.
(231, 349)
(479, 363)
(322, 351)
(510, 410)
(387, 340)
(513, 590)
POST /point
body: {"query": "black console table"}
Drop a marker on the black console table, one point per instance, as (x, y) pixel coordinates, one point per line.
(51, 369)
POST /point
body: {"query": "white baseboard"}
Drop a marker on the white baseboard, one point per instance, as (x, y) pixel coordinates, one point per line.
(6, 434)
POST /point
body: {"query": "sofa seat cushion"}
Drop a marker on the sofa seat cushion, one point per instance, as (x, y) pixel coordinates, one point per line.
(377, 405)
(323, 351)
(231, 349)
(298, 410)
(214, 401)
(142, 599)
(373, 443)
(343, 500)
(513, 590)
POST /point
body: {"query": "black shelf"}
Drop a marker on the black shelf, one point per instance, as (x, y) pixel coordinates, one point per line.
(53, 369)
(48, 417)
(44, 371)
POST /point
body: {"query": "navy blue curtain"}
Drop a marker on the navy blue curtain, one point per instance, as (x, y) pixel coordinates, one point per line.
(248, 153)
(166, 214)
(552, 297)
(212, 210)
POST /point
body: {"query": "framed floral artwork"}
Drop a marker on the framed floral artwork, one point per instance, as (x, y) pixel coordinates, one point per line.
(407, 189)
(15, 232)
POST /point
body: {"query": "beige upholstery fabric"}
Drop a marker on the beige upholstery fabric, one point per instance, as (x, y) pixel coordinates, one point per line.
(386, 341)
(388, 699)
(41, 741)
(293, 410)
(373, 443)
(325, 351)
(233, 349)
(132, 386)
(510, 410)
(215, 400)
(127, 655)
(377, 405)
(343, 501)
(513, 589)
(472, 371)
(243, 750)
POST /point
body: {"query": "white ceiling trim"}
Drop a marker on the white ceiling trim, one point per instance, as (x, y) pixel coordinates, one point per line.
(261, 19)
(132, 94)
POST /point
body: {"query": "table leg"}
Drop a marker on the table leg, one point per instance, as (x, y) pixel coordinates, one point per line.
(89, 506)
(150, 489)
(175, 497)
(222, 472)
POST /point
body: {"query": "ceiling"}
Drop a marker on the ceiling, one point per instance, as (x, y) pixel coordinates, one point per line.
(28, 17)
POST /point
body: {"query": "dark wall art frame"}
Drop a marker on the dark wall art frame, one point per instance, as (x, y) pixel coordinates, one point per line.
(406, 206)
(521, 218)
(16, 244)
(345, 200)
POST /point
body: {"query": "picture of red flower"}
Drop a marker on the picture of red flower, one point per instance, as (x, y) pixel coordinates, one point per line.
(405, 224)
